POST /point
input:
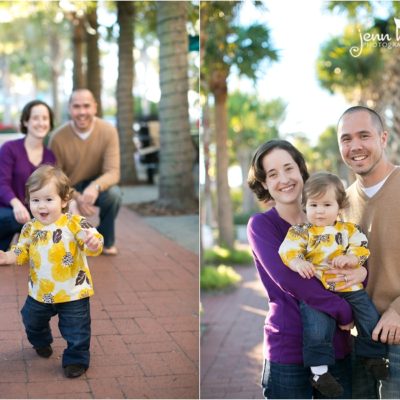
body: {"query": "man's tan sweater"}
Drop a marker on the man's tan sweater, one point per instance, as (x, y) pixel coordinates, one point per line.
(379, 218)
(96, 158)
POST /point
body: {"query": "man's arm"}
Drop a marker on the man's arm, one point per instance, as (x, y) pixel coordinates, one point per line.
(111, 162)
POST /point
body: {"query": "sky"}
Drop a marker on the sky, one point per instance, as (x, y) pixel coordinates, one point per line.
(298, 28)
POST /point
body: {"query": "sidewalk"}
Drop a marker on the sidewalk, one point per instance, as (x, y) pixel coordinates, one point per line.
(144, 325)
(183, 229)
(231, 353)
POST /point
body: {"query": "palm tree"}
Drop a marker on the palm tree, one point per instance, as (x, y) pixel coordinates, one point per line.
(126, 12)
(176, 184)
(93, 70)
(225, 45)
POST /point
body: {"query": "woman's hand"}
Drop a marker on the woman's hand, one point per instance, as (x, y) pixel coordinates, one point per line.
(351, 276)
(21, 214)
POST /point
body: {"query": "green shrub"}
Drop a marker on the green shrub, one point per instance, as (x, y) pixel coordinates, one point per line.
(217, 278)
(243, 218)
(218, 255)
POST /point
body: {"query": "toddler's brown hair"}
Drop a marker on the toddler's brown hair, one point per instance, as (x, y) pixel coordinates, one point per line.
(42, 176)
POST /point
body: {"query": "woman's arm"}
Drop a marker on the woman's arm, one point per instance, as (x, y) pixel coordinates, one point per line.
(265, 239)
(7, 165)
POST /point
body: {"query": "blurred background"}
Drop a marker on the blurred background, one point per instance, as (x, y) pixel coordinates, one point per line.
(119, 50)
(274, 69)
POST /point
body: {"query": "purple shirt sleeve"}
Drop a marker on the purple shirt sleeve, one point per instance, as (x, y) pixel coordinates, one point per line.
(15, 169)
(265, 237)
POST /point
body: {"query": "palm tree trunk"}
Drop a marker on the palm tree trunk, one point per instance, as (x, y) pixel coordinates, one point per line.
(218, 87)
(124, 90)
(93, 71)
(176, 183)
(78, 41)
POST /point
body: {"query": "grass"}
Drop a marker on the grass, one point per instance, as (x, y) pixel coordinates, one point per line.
(221, 255)
(218, 278)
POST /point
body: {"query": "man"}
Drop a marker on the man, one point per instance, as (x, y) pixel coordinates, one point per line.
(87, 149)
(374, 198)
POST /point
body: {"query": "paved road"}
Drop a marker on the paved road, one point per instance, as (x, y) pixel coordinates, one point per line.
(144, 325)
(231, 344)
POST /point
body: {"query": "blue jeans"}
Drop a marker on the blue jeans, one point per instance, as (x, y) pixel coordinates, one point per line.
(319, 328)
(366, 387)
(73, 322)
(292, 381)
(109, 203)
(8, 227)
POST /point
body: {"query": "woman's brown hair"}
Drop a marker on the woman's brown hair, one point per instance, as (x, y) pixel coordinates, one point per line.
(257, 175)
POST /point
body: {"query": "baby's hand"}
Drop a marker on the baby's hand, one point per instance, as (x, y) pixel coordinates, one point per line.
(345, 261)
(7, 258)
(304, 268)
(91, 241)
(3, 258)
(347, 327)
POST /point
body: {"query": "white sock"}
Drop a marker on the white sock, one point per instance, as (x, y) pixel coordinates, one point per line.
(319, 369)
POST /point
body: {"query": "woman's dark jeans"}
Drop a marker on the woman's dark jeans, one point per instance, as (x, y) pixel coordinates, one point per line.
(8, 227)
(73, 322)
(292, 381)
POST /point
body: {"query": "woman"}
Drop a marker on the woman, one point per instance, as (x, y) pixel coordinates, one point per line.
(18, 159)
(278, 172)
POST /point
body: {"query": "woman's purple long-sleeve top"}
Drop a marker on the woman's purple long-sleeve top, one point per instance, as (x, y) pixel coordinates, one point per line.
(283, 326)
(15, 169)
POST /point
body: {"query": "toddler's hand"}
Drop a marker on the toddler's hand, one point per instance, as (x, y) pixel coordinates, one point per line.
(91, 241)
(345, 261)
(3, 258)
(305, 269)
(7, 258)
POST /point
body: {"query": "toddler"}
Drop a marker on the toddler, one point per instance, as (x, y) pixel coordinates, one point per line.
(311, 249)
(56, 243)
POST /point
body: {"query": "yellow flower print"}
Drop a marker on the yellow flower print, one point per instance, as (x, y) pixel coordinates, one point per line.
(297, 231)
(62, 221)
(40, 237)
(61, 297)
(35, 259)
(316, 256)
(32, 277)
(325, 240)
(61, 261)
(26, 231)
(46, 288)
(85, 293)
(290, 255)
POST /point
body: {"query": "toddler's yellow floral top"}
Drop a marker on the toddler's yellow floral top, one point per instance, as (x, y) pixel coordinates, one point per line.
(321, 244)
(56, 254)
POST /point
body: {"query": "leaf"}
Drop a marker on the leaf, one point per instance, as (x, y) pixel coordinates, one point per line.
(57, 235)
(85, 224)
(80, 279)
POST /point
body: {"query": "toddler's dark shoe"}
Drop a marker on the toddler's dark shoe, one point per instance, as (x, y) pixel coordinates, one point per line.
(74, 370)
(44, 352)
(327, 385)
(378, 367)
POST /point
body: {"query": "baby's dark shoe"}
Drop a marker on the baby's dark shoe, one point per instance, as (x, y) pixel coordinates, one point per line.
(327, 385)
(44, 352)
(74, 370)
(378, 367)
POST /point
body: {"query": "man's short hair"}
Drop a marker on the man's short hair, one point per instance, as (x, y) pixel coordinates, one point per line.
(375, 117)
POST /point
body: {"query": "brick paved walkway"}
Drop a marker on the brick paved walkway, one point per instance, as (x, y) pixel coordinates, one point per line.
(231, 345)
(144, 325)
